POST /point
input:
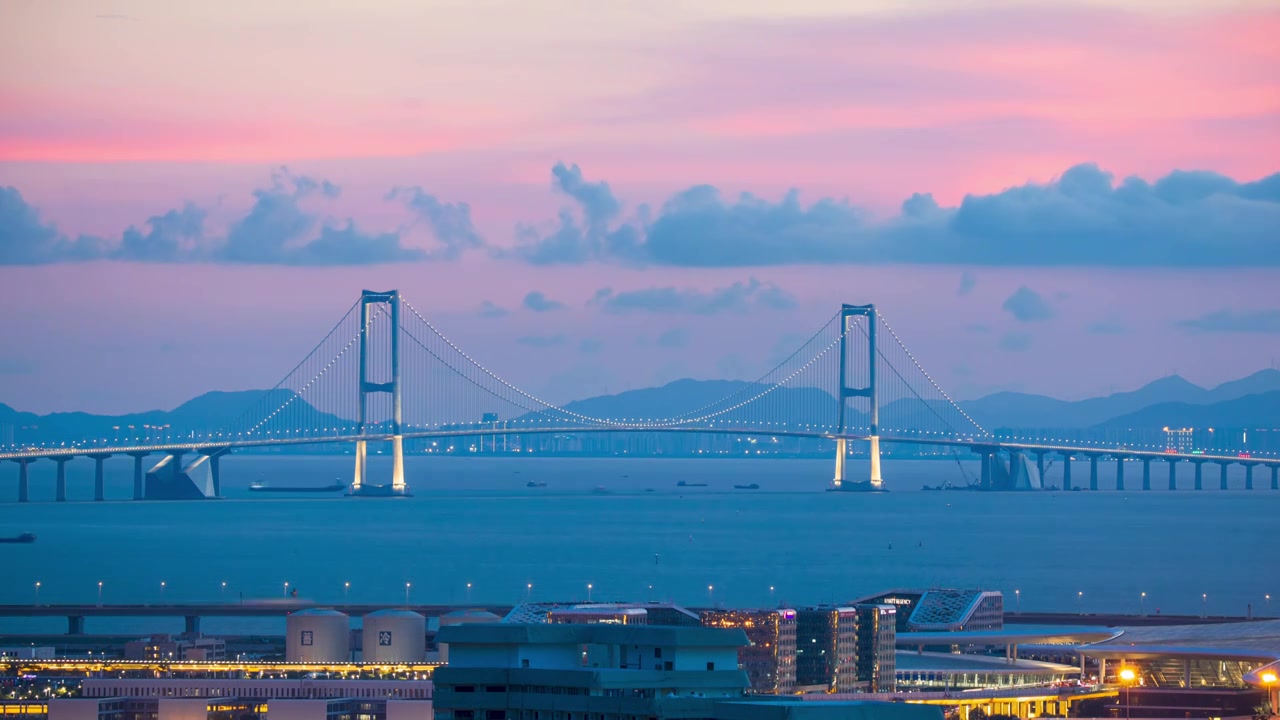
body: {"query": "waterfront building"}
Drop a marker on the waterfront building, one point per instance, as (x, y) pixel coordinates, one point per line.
(827, 649)
(942, 609)
(619, 672)
(183, 647)
(601, 672)
(877, 642)
(654, 613)
(770, 659)
(599, 614)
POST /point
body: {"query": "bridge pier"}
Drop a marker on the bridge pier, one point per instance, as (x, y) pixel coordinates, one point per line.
(1146, 473)
(1173, 473)
(357, 483)
(1275, 477)
(98, 486)
(1222, 478)
(1093, 472)
(75, 624)
(1066, 471)
(1040, 465)
(1199, 473)
(1119, 473)
(60, 494)
(138, 491)
(24, 481)
(1248, 476)
(193, 624)
(988, 456)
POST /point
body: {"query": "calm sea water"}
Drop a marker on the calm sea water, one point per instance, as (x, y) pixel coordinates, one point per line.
(472, 520)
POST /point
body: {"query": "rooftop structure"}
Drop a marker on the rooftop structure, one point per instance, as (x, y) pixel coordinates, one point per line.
(655, 613)
(954, 610)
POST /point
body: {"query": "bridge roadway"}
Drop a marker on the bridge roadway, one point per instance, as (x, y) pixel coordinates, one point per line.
(985, 447)
(192, 612)
(975, 444)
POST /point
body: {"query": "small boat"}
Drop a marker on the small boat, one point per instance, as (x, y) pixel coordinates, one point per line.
(535, 484)
(684, 483)
(752, 486)
(262, 487)
(23, 538)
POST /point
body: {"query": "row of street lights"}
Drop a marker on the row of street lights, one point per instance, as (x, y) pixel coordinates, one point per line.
(1017, 595)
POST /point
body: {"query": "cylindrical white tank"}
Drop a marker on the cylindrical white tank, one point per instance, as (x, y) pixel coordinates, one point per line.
(317, 635)
(394, 636)
(463, 617)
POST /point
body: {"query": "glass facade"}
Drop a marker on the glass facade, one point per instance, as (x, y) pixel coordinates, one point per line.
(877, 639)
(827, 649)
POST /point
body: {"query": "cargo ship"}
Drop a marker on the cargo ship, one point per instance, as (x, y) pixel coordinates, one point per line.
(262, 487)
(23, 538)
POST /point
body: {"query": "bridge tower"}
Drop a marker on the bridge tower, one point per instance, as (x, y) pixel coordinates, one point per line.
(847, 313)
(369, 299)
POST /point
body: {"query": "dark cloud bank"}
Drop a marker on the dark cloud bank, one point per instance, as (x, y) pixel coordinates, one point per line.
(1084, 218)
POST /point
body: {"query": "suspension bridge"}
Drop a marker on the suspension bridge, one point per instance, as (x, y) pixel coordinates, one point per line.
(385, 374)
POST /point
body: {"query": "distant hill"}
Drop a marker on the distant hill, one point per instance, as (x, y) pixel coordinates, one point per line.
(1257, 410)
(1021, 410)
(1253, 400)
(212, 410)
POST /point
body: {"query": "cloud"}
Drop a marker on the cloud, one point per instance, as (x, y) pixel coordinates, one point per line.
(27, 240)
(674, 339)
(590, 346)
(739, 297)
(450, 223)
(537, 302)
(1233, 321)
(490, 310)
(276, 230)
(1082, 218)
(568, 241)
(1016, 341)
(967, 283)
(1108, 326)
(1027, 305)
(542, 341)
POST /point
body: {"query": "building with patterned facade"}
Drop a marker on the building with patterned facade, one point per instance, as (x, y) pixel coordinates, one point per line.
(877, 645)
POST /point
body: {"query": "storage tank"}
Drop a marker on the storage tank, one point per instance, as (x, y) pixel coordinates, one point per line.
(394, 636)
(317, 635)
(463, 617)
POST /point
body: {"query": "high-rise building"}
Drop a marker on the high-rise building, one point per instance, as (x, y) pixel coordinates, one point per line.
(770, 659)
(877, 638)
(827, 649)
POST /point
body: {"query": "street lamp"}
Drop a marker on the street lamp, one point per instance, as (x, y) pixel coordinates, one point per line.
(1204, 605)
(37, 592)
(1269, 682)
(406, 592)
(1127, 676)
(1080, 601)
(1017, 601)
(224, 589)
(99, 592)
(589, 586)
(346, 588)
(1142, 604)
(528, 591)
(710, 595)
(161, 591)
(468, 592)
(286, 588)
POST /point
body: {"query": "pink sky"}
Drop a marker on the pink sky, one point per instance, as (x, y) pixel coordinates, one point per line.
(115, 112)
